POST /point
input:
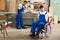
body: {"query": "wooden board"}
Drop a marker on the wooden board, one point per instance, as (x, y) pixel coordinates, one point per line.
(12, 6)
(3, 18)
(3, 5)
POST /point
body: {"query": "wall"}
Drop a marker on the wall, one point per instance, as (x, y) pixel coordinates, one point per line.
(56, 7)
(12, 5)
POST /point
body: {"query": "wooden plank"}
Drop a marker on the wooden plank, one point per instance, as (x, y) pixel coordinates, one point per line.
(3, 17)
(12, 6)
(3, 5)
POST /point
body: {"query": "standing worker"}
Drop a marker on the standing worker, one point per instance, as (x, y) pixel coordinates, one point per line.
(19, 18)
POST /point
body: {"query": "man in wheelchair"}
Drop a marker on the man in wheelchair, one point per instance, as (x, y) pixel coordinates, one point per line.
(43, 17)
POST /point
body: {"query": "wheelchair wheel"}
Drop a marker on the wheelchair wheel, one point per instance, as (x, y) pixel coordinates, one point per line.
(44, 30)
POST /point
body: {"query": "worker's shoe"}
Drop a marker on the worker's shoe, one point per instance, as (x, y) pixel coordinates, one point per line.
(24, 28)
(18, 28)
(37, 36)
(32, 35)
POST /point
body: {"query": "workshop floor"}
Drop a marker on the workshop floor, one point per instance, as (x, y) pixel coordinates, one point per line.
(23, 34)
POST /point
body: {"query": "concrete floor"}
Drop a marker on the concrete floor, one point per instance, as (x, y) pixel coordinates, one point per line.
(23, 34)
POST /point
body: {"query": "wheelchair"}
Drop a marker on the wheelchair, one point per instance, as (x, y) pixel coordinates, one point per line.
(44, 30)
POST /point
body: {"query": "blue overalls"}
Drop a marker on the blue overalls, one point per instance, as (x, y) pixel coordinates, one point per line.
(41, 22)
(19, 19)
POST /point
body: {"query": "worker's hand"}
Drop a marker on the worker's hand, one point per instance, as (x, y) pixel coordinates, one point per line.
(30, 10)
(50, 19)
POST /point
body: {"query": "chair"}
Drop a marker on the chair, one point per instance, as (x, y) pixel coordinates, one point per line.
(44, 30)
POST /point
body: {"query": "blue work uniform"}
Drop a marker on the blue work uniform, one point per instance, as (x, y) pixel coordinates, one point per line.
(39, 24)
(19, 19)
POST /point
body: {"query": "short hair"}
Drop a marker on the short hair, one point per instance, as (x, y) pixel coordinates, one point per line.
(41, 6)
(25, 1)
(28, 1)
